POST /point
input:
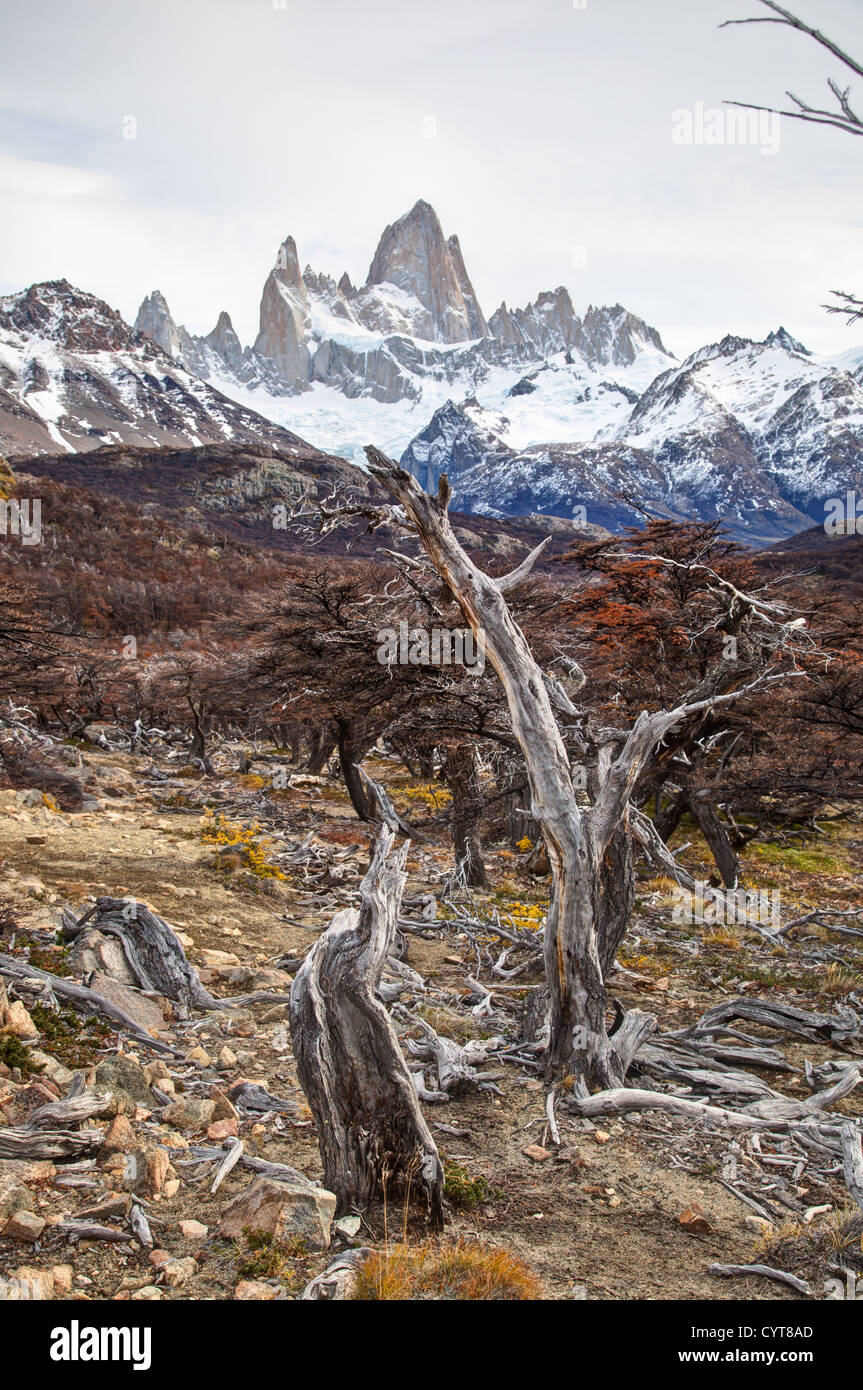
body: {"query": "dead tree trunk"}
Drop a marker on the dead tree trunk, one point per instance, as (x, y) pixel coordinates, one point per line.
(706, 817)
(321, 745)
(373, 1138)
(577, 838)
(351, 754)
(459, 772)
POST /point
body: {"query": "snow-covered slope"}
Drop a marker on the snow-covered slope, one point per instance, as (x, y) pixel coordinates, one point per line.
(350, 365)
(74, 374)
(756, 433)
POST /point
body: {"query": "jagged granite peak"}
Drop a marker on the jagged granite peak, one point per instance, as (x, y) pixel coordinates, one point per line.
(457, 438)
(614, 336)
(284, 307)
(414, 255)
(154, 318)
(780, 337)
(608, 335)
(226, 344)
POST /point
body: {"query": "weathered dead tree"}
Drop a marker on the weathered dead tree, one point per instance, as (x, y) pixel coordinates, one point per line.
(152, 950)
(459, 772)
(578, 838)
(373, 1138)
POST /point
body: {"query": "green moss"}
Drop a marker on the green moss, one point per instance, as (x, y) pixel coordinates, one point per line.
(68, 1037)
(810, 861)
(13, 1053)
(265, 1256)
(465, 1190)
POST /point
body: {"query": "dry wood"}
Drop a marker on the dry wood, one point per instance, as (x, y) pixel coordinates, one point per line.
(588, 850)
(372, 1135)
(151, 948)
(337, 1280)
(89, 1230)
(21, 1142)
(765, 1272)
(852, 1161)
(83, 998)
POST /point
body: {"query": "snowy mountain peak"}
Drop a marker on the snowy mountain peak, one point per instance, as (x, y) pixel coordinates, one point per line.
(57, 312)
(780, 337)
(413, 255)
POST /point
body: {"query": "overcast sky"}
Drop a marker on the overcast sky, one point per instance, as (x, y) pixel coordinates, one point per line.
(541, 131)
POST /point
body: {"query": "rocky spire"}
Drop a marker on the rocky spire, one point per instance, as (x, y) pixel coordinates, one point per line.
(413, 254)
(154, 319)
(284, 308)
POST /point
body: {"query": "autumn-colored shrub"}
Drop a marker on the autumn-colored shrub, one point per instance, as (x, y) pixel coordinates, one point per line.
(450, 1270)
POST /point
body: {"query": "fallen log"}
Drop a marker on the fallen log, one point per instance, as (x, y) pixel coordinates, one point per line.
(21, 1142)
(852, 1161)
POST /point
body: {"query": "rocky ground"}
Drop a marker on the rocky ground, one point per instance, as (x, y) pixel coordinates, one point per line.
(632, 1208)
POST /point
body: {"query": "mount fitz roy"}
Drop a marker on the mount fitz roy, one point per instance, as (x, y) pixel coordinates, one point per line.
(532, 410)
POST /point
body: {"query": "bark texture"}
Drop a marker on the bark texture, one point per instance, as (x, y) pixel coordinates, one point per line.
(373, 1138)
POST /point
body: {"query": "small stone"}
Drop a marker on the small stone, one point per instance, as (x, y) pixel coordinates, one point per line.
(51, 1070)
(111, 1205)
(28, 1283)
(348, 1227)
(759, 1224)
(220, 958)
(94, 951)
(222, 1129)
(24, 1226)
(158, 1258)
(198, 1055)
(227, 1059)
(147, 1171)
(693, 1219)
(28, 1169)
(63, 1276)
(144, 1011)
(189, 1113)
(14, 1197)
(225, 1109)
(250, 1289)
(601, 1137)
(15, 1019)
(179, 1272)
(171, 1188)
(119, 1137)
(125, 1079)
(156, 1073)
(536, 1152)
(148, 1294)
(194, 1230)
